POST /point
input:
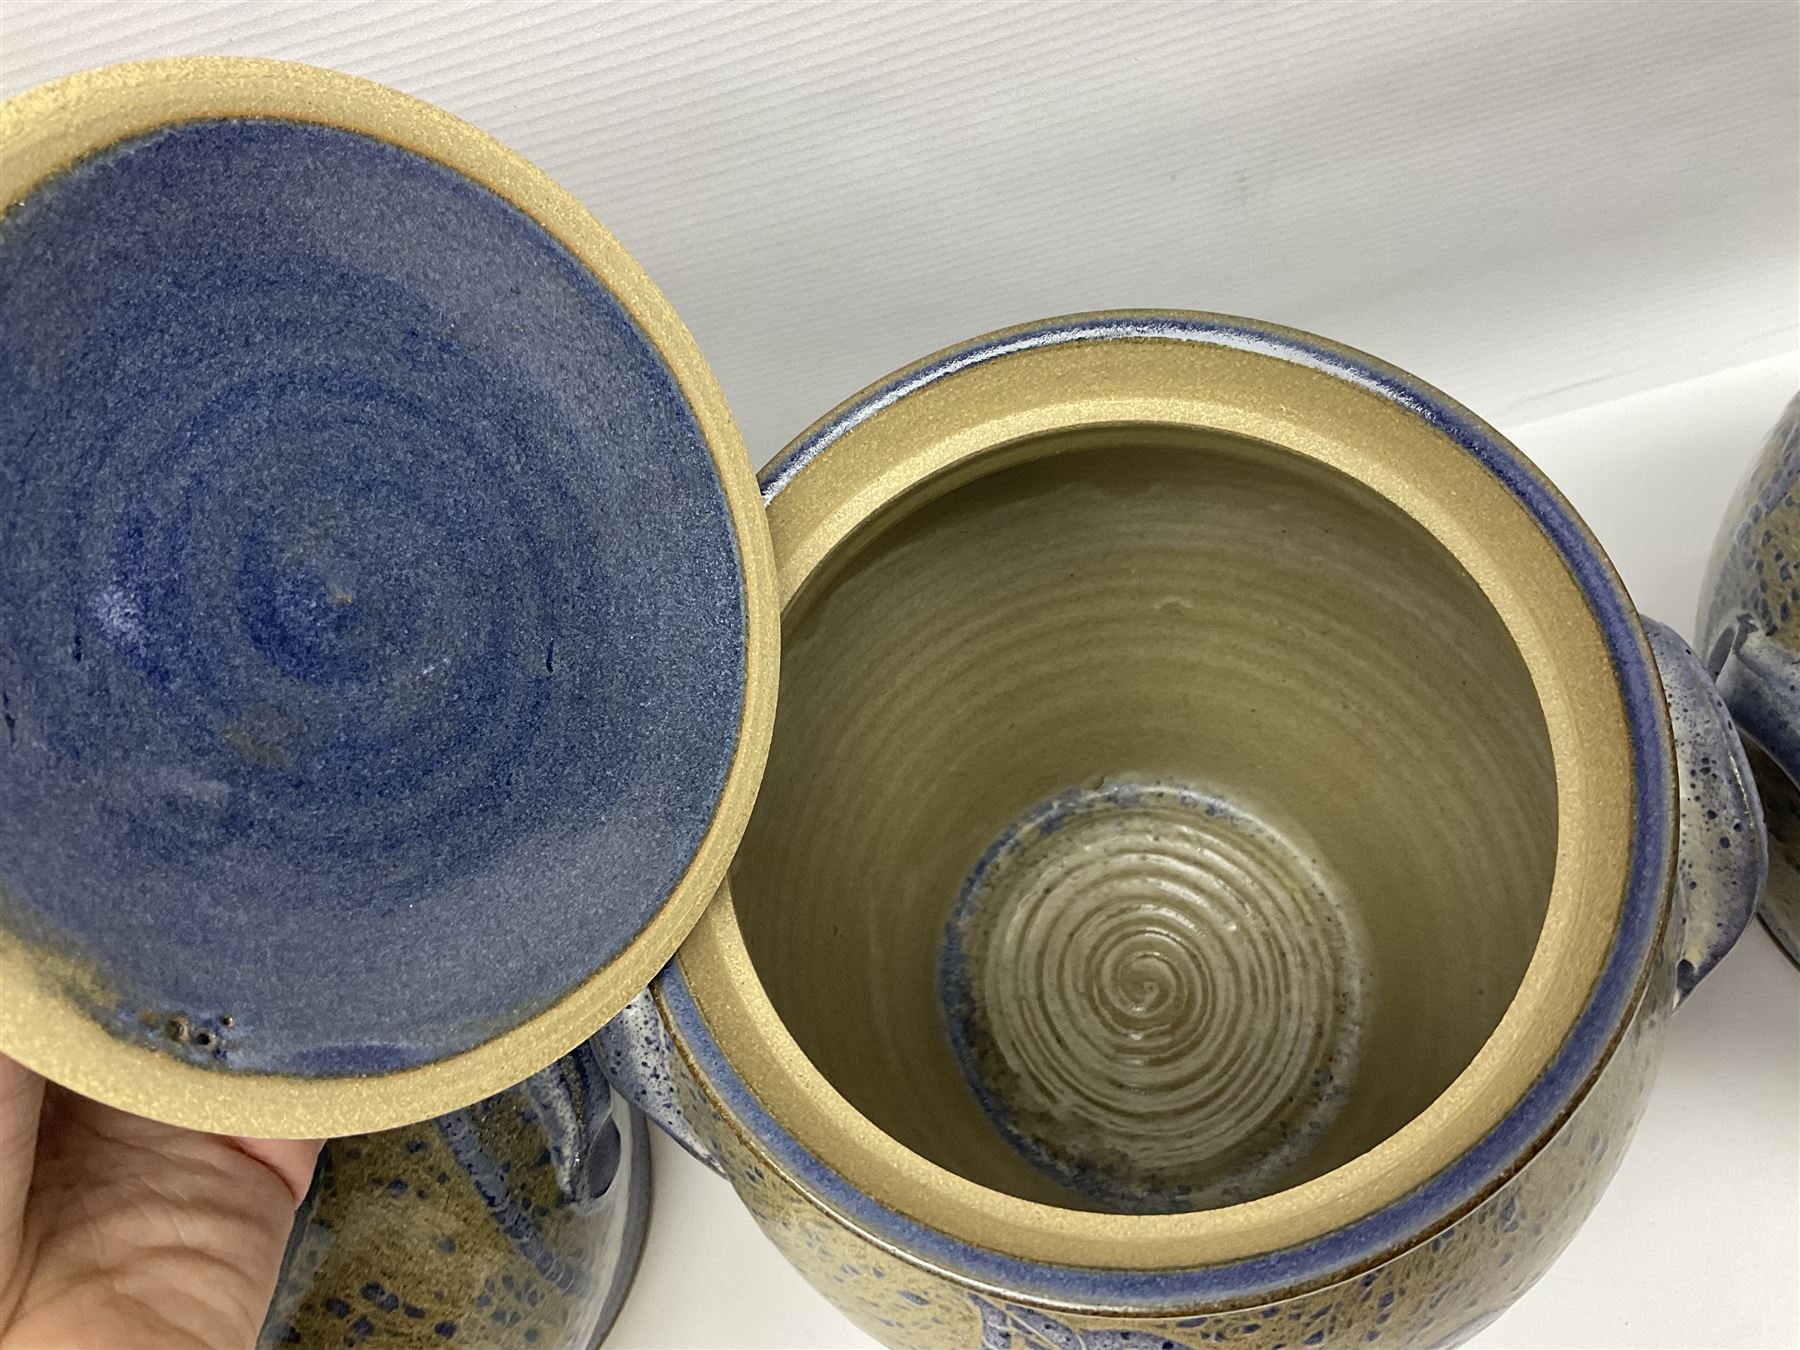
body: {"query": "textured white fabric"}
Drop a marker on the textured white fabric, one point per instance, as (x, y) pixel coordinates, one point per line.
(1535, 206)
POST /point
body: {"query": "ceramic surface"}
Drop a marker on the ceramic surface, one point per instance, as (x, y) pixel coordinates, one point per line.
(515, 1222)
(1438, 1291)
(1186, 596)
(1750, 627)
(380, 564)
(1156, 997)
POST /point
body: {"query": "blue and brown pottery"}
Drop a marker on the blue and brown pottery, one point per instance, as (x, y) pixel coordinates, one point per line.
(1750, 629)
(387, 627)
(1228, 852)
(516, 1222)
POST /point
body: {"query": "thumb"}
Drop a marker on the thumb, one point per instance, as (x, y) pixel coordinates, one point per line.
(292, 1160)
(21, 1104)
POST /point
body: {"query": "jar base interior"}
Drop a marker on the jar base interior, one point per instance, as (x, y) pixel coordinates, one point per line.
(1155, 996)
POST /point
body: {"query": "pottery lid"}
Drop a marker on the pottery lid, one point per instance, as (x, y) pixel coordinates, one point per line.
(387, 615)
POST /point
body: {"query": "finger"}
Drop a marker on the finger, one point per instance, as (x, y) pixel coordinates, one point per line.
(21, 1106)
(292, 1160)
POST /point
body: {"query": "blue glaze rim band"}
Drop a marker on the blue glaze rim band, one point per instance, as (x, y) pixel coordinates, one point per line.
(1531, 1121)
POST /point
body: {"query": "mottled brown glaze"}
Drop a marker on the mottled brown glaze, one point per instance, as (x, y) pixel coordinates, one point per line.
(516, 1222)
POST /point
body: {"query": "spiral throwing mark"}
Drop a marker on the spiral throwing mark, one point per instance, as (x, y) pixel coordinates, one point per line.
(372, 634)
(1157, 998)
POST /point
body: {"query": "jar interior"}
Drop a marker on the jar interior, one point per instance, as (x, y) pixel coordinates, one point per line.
(1154, 821)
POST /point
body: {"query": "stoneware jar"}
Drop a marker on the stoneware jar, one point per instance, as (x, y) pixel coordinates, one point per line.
(1228, 852)
(1750, 630)
(515, 1222)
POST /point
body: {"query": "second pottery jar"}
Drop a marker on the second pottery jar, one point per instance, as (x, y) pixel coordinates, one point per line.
(1750, 630)
(516, 1222)
(1228, 851)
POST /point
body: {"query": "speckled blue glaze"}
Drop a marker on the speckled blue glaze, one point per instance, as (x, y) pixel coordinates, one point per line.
(1610, 1004)
(1722, 859)
(1750, 632)
(1008, 1326)
(635, 1055)
(370, 606)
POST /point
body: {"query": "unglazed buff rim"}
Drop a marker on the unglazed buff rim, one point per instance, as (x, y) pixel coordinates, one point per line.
(49, 129)
(1589, 662)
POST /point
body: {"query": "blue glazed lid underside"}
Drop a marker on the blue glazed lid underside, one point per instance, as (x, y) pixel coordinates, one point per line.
(371, 622)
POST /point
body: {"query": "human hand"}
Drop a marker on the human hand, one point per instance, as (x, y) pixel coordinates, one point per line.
(121, 1232)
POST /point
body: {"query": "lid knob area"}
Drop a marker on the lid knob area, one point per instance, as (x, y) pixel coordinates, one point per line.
(387, 623)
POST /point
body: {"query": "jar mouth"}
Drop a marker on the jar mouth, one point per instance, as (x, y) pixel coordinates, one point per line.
(1040, 395)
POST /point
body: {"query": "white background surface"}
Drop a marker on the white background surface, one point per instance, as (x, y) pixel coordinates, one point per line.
(1581, 219)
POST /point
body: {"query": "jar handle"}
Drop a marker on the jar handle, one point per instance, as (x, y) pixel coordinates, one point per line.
(1722, 857)
(640, 1063)
(1759, 679)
